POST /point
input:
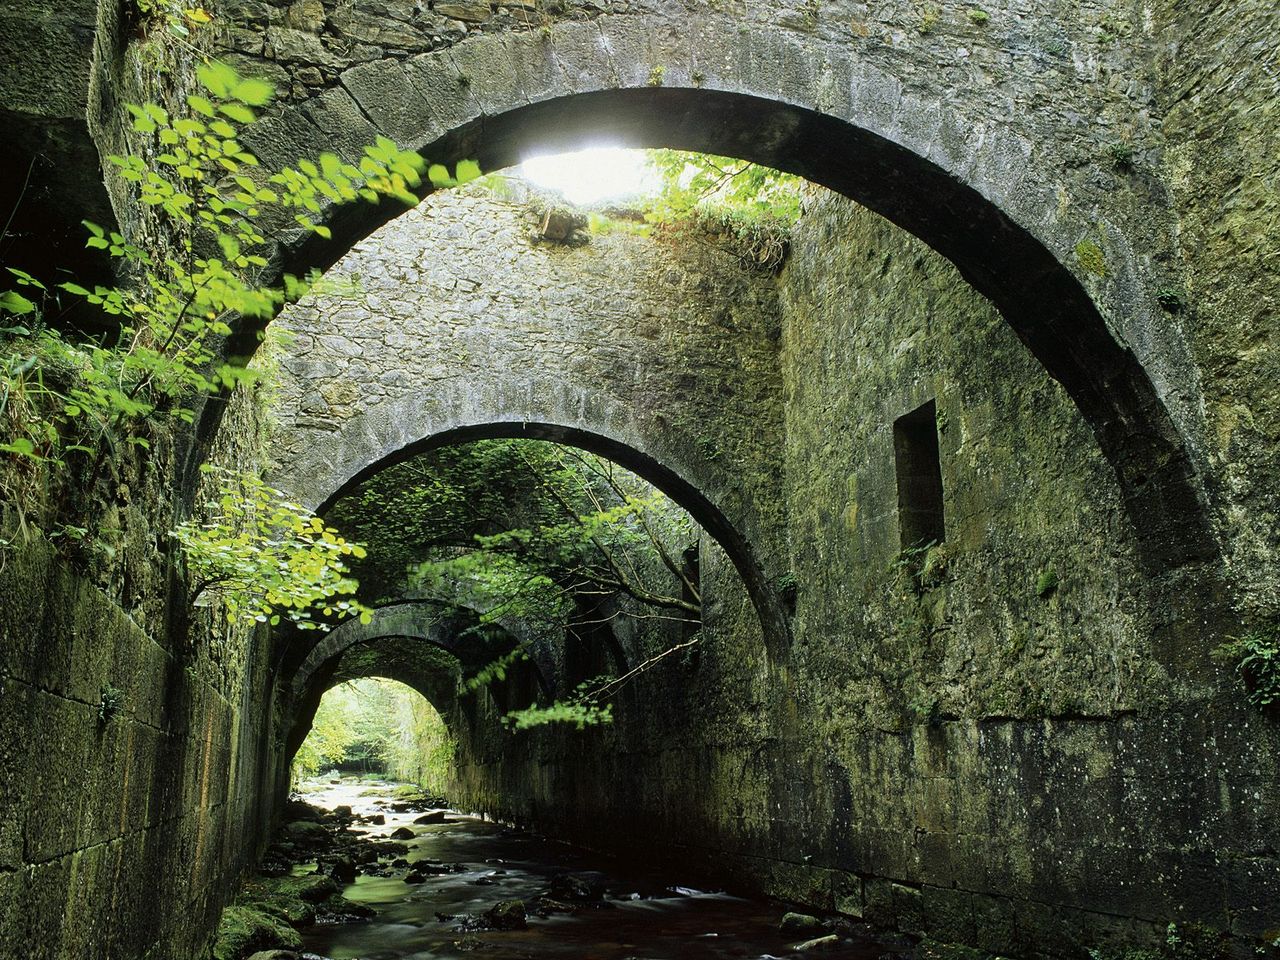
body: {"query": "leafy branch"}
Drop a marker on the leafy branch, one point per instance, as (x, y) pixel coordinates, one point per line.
(214, 204)
(73, 405)
(266, 558)
(752, 205)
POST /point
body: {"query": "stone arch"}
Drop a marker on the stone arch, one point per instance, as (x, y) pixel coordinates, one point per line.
(990, 190)
(545, 404)
(399, 635)
(437, 685)
(441, 625)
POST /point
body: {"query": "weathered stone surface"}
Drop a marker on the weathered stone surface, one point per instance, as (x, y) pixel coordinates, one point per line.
(800, 924)
(507, 915)
(913, 98)
(531, 338)
(957, 734)
(306, 15)
(818, 944)
(975, 756)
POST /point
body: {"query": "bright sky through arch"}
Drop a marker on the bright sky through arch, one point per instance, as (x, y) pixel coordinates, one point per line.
(593, 175)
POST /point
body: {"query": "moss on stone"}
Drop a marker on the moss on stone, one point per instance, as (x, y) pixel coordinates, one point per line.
(244, 930)
(1091, 258)
(1047, 582)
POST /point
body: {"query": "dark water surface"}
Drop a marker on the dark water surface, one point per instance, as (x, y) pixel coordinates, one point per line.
(652, 917)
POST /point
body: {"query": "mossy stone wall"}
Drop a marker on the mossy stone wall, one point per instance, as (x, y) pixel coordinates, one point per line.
(997, 753)
(119, 836)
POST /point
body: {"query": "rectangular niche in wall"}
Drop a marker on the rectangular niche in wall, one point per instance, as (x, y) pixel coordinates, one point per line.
(915, 457)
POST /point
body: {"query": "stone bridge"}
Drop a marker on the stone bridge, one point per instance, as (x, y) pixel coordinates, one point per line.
(1047, 244)
(459, 324)
(990, 141)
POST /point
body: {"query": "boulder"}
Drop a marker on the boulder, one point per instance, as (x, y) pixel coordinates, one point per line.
(802, 925)
(341, 910)
(560, 225)
(403, 833)
(572, 888)
(306, 833)
(301, 810)
(433, 868)
(507, 915)
(343, 871)
(819, 943)
(313, 888)
(244, 931)
(436, 816)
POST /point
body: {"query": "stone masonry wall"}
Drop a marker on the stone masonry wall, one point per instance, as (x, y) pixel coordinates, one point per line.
(1057, 752)
(965, 757)
(1219, 83)
(1007, 138)
(975, 758)
(457, 318)
(121, 832)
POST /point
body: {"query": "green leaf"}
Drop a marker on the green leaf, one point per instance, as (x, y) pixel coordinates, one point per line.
(201, 105)
(142, 123)
(468, 170)
(230, 246)
(218, 78)
(237, 112)
(16, 303)
(253, 91)
(438, 174)
(25, 279)
(22, 447)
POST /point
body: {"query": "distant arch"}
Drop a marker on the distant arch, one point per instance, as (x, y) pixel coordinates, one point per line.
(543, 408)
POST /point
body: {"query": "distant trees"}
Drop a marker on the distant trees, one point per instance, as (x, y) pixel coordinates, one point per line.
(377, 726)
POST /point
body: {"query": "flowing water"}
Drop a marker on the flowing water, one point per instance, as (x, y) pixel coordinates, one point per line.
(648, 917)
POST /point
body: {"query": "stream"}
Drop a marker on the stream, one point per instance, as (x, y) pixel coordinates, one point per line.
(641, 916)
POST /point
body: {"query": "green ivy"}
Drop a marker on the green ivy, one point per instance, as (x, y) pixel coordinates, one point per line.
(70, 408)
(214, 202)
(582, 709)
(752, 205)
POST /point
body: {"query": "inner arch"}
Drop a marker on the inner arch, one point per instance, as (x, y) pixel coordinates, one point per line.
(768, 603)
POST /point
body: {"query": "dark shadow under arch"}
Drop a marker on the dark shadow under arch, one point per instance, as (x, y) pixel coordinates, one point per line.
(456, 631)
